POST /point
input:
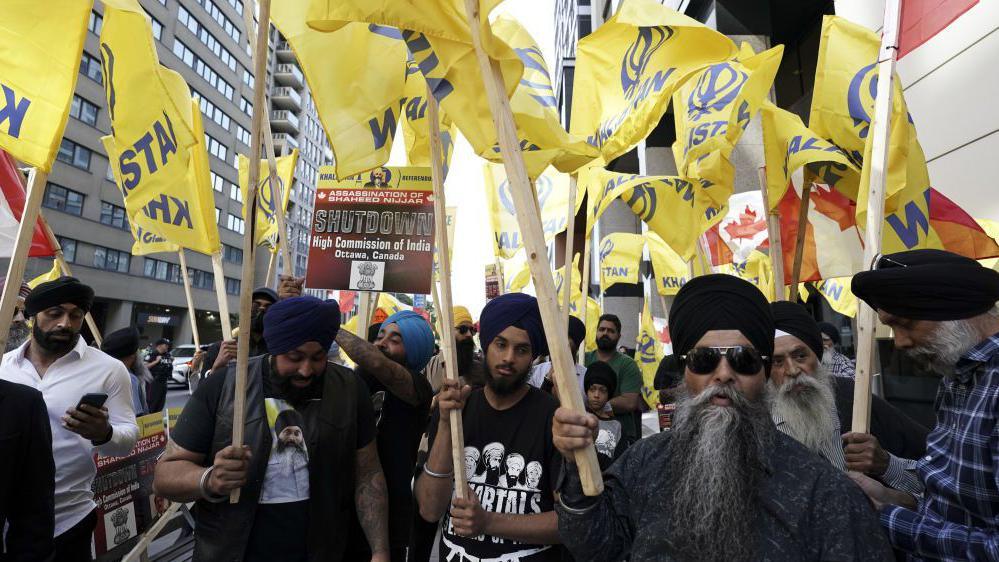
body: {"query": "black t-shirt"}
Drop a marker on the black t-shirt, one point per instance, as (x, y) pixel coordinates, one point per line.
(400, 428)
(279, 529)
(164, 368)
(511, 465)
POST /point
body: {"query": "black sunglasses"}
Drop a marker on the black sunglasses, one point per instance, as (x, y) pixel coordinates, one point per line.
(466, 329)
(743, 359)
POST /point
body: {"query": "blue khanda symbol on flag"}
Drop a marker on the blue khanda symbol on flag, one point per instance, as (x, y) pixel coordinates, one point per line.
(536, 78)
(642, 201)
(268, 196)
(638, 55)
(860, 98)
(646, 349)
(606, 248)
(716, 88)
(543, 187)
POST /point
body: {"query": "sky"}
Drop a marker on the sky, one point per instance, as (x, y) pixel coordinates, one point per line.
(464, 186)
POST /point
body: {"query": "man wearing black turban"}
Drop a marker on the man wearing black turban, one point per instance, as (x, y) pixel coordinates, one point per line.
(345, 479)
(507, 426)
(941, 308)
(723, 484)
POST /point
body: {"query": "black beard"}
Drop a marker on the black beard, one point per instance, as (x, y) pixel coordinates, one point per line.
(718, 457)
(465, 350)
(502, 386)
(52, 346)
(606, 344)
(282, 388)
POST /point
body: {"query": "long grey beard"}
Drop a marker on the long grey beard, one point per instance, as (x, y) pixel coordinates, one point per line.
(717, 455)
(19, 333)
(809, 412)
(827, 358)
(952, 339)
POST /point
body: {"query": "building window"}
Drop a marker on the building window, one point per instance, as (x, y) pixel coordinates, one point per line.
(218, 215)
(161, 270)
(235, 194)
(212, 111)
(113, 215)
(232, 286)
(74, 154)
(68, 246)
(157, 28)
(235, 223)
(111, 260)
(63, 199)
(90, 66)
(216, 148)
(232, 254)
(83, 110)
(95, 23)
(110, 173)
(198, 30)
(246, 106)
(201, 279)
(217, 182)
(204, 71)
(242, 135)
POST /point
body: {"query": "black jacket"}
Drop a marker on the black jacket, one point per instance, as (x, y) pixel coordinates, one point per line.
(27, 475)
(897, 433)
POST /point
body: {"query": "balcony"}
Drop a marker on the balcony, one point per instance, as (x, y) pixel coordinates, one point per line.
(285, 139)
(288, 75)
(286, 98)
(284, 52)
(284, 121)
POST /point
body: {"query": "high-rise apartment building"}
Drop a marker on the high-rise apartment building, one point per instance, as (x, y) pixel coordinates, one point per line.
(205, 41)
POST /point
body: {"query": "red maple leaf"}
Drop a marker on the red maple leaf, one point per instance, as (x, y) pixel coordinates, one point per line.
(748, 227)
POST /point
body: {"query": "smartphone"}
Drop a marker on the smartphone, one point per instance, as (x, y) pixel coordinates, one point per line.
(95, 399)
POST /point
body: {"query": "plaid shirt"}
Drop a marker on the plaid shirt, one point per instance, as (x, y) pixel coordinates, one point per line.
(958, 517)
(842, 366)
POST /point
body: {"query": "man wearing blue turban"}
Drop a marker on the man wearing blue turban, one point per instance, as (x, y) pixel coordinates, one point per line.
(392, 368)
(345, 480)
(507, 430)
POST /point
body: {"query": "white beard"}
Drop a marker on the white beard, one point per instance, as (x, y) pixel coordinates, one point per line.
(809, 413)
(951, 340)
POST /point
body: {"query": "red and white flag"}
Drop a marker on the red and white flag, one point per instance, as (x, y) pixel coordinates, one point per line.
(11, 209)
(744, 228)
(922, 19)
(833, 246)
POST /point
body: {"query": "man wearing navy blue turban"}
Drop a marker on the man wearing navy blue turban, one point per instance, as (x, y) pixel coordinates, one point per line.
(508, 445)
(392, 368)
(345, 479)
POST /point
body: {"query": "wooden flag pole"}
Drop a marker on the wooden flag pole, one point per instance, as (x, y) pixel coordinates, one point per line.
(773, 233)
(277, 191)
(190, 299)
(799, 242)
(364, 312)
(584, 283)
(502, 276)
(570, 234)
(220, 293)
(19, 257)
(529, 218)
(881, 128)
(246, 292)
(271, 266)
(445, 312)
(150, 535)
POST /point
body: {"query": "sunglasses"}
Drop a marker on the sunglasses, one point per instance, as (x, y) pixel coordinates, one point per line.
(743, 359)
(466, 330)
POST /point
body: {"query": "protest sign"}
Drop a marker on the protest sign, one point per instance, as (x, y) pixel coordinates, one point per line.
(373, 232)
(123, 491)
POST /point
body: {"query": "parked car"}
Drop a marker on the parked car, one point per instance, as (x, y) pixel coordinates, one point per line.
(182, 356)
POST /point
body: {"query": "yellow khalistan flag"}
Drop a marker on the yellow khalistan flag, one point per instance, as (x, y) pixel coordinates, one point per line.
(648, 353)
(837, 292)
(146, 241)
(356, 76)
(157, 147)
(715, 105)
(266, 222)
(789, 146)
(676, 209)
(592, 318)
(50, 275)
(620, 256)
(516, 273)
(543, 139)
(416, 127)
(439, 39)
(552, 190)
(40, 46)
(576, 294)
(756, 269)
(670, 271)
(628, 68)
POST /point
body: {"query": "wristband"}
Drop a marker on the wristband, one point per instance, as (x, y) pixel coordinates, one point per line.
(437, 474)
(203, 487)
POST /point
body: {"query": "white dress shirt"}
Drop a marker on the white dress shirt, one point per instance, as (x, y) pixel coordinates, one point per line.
(84, 369)
(540, 371)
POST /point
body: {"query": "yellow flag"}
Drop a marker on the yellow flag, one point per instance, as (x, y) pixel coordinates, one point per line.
(266, 222)
(416, 128)
(628, 68)
(516, 273)
(439, 39)
(788, 146)
(552, 189)
(677, 209)
(156, 148)
(592, 319)
(535, 110)
(837, 292)
(756, 269)
(670, 270)
(715, 105)
(51, 275)
(559, 277)
(40, 46)
(389, 305)
(648, 353)
(146, 241)
(356, 76)
(620, 257)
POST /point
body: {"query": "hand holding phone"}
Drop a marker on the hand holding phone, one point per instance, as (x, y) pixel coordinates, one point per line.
(90, 418)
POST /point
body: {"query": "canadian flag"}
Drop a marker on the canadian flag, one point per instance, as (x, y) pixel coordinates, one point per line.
(833, 246)
(11, 209)
(744, 228)
(922, 19)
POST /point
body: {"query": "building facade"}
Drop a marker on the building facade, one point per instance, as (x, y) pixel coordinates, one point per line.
(205, 41)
